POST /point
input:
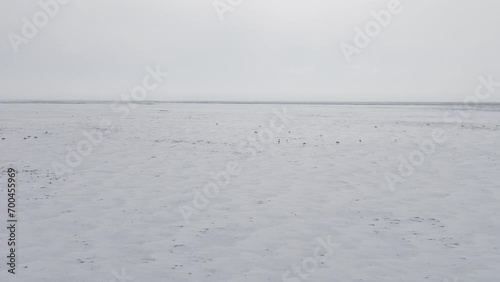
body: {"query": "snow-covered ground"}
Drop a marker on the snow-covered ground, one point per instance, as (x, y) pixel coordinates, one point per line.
(322, 208)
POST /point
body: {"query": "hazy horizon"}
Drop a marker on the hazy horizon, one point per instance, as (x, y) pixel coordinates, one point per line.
(352, 103)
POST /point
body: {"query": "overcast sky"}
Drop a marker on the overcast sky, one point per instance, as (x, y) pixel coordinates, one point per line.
(433, 50)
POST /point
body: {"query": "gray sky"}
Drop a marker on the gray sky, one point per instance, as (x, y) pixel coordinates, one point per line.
(433, 50)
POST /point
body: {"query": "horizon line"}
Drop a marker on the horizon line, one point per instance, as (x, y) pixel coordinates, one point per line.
(236, 102)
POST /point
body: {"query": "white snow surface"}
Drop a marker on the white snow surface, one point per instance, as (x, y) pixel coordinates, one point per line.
(119, 209)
